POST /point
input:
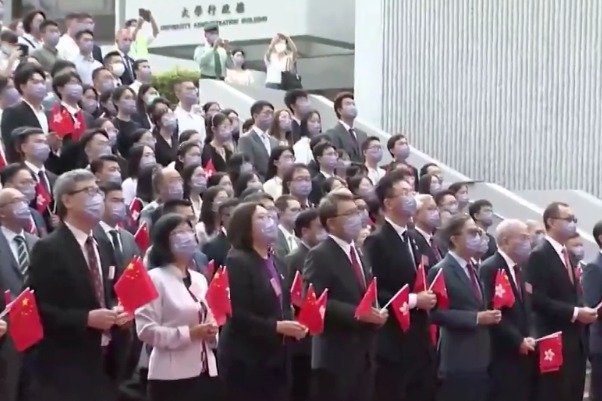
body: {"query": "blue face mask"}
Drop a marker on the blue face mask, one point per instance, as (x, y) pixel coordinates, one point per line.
(183, 245)
(94, 207)
(268, 230)
(199, 184)
(127, 106)
(473, 244)
(170, 123)
(330, 161)
(118, 212)
(408, 205)
(301, 189)
(434, 218)
(38, 91)
(487, 219)
(484, 245)
(521, 251)
(115, 177)
(74, 92)
(375, 154)
(21, 212)
(175, 191)
(402, 153)
(568, 229)
(40, 151)
(352, 226)
(435, 188)
(147, 161)
(29, 192)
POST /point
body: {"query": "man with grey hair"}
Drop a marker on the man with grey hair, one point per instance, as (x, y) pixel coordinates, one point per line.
(426, 222)
(537, 232)
(72, 277)
(513, 365)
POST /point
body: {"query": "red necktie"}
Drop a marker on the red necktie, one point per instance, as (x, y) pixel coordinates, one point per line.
(93, 266)
(474, 281)
(357, 268)
(567, 264)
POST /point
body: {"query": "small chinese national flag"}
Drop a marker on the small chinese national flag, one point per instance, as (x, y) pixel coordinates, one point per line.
(135, 288)
(142, 238)
(210, 270)
(43, 198)
(24, 324)
(313, 311)
(550, 352)
(297, 290)
(440, 289)
(368, 301)
(420, 282)
(135, 209)
(503, 295)
(400, 303)
(209, 168)
(218, 296)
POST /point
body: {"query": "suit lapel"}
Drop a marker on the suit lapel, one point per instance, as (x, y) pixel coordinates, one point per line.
(76, 258)
(518, 295)
(346, 269)
(259, 142)
(463, 277)
(5, 249)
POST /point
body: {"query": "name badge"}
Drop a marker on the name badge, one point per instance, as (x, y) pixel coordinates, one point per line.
(111, 272)
(276, 287)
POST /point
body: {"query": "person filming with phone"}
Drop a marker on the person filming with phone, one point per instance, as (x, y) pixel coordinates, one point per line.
(144, 30)
(212, 56)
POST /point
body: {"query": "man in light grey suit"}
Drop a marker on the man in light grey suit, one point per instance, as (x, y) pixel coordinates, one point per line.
(464, 345)
(122, 241)
(592, 295)
(344, 135)
(288, 210)
(257, 144)
(15, 247)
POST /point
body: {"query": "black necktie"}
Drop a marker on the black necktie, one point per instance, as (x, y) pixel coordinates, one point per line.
(44, 181)
(116, 247)
(518, 280)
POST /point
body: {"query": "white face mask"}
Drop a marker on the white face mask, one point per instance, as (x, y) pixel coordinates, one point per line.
(118, 69)
(280, 47)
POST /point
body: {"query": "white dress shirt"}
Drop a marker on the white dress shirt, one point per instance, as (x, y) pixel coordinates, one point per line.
(189, 120)
(36, 171)
(10, 238)
(67, 47)
(375, 174)
(348, 127)
(559, 248)
(40, 115)
(273, 187)
(165, 324)
(108, 229)
(302, 151)
(81, 238)
(85, 66)
(511, 266)
(400, 231)
(291, 239)
(32, 43)
(265, 138)
(129, 187)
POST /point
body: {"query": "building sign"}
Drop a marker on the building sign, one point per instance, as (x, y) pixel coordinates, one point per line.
(181, 22)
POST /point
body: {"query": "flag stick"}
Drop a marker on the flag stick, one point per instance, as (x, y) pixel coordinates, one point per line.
(394, 296)
(548, 336)
(6, 310)
(597, 308)
(435, 279)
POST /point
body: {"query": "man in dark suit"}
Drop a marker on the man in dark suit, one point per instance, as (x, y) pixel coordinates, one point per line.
(464, 342)
(257, 144)
(288, 209)
(481, 212)
(217, 247)
(399, 149)
(343, 355)
(426, 222)
(310, 231)
(326, 155)
(297, 101)
(78, 310)
(405, 362)
(557, 304)
(344, 135)
(31, 84)
(592, 295)
(124, 40)
(15, 247)
(514, 361)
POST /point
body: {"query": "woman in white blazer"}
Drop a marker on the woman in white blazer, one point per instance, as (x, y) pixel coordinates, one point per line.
(178, 324)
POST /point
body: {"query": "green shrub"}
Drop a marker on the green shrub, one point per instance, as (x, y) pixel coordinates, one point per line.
(164, 81)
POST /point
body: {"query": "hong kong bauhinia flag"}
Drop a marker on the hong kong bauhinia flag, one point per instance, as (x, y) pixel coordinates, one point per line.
(550, 352)
(400, 303)
(502, 294)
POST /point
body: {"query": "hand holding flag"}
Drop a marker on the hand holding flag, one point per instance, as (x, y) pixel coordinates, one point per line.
(550, 352)
(142, 237)
(420, 282)
(297, 290)
(503, 295)
(439, 288)
(25, 325)
(366, 310)
(135, 288)
(313, 311)
(400, 303)
(218, 296)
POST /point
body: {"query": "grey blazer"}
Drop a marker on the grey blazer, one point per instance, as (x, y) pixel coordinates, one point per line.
(10, 275)
(464, 347)
(282, 246)
(592, 294)
(251, 145)
(341, 138)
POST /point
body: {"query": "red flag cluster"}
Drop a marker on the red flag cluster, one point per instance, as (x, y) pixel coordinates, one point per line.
(313, 311)
(135, 209)
(62, 124)
(440, 290)
(142, 238)
(135, 288)
(24, 323)
(503, 295)
(550, 352)
(218, 296)
(420, 282)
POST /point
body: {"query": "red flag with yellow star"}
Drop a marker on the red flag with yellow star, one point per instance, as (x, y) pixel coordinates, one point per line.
(135, 288)
(24, 324)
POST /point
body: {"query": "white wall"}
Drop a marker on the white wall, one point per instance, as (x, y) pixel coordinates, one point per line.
(504, 91)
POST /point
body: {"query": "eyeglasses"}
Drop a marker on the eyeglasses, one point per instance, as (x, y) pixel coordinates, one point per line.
(569, 219)
(91, 191)
(349, 213)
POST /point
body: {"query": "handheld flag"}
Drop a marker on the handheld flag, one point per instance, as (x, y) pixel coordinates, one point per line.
(135, 209)
(420, 282)
(368, 301)
(210, 270)
(400, 303)
(142, 238)
(218, 296)
(209, 168)
(24, 324)
(297, 290)
(503, 295)
(550, 352)
(43, 198)
(135, 288)
(313, 311)
(440, 289)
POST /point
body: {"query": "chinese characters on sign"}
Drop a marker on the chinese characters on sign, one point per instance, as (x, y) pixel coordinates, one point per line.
(230, 13)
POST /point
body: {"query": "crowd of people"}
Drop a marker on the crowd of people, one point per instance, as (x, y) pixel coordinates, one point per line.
(93, 155)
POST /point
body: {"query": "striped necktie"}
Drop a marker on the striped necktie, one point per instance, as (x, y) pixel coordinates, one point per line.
(22, 255)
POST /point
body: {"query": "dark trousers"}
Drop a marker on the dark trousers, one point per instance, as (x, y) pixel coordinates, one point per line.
(193, 389)
(568, 383)
(464, 387)
(595, 389)
(301, 375)
(330, 386)
(396, 382)
(514, 378)
(248, 383)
